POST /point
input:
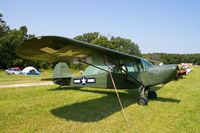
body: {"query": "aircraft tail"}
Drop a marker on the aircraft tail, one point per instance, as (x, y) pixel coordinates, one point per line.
(62, 75)
(61, 70)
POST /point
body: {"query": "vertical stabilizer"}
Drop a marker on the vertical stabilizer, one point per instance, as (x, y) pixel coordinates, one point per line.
(61, 70)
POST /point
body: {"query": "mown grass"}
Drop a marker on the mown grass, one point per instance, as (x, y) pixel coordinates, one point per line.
(13, 79)
(50, 109)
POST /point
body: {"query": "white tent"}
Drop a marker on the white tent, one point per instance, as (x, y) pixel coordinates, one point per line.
(30, 71)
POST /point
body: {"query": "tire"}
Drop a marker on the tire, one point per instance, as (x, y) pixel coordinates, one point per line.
(152, 94)
(142, 100)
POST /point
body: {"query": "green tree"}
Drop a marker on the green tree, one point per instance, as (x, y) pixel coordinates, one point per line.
(8, 42)
(3, 27)
(174, 58)
(102, 41)
(125, 45)
(87, 37)
(119, 44)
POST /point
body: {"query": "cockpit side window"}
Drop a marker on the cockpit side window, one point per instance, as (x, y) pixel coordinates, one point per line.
(134, 66)
(122, 69)
(117, 70)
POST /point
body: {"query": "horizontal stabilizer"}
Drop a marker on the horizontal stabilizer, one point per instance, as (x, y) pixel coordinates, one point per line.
(51, 79)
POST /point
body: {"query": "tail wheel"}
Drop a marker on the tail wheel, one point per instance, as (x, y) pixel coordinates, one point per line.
(142, 100)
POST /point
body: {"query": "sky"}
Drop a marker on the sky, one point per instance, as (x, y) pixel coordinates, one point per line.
(170, 26)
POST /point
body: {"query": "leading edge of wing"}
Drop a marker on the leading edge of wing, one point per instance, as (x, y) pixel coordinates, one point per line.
(56, 48)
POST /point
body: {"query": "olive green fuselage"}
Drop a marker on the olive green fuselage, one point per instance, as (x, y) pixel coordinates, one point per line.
(154, 75)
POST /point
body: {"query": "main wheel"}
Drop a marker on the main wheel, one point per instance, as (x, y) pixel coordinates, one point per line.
(142, 100)
(152, 94)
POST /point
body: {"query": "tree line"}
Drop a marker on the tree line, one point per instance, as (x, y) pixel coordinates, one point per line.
(174, 58)
(11, 38)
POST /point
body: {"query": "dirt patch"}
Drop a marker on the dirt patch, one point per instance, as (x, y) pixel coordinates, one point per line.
(26, 84)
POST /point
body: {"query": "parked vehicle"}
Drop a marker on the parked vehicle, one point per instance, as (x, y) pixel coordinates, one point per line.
(13, 71)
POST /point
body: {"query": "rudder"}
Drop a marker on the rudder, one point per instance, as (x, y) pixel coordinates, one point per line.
(62, 74)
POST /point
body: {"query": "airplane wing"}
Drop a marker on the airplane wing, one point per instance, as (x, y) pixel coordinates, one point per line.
(60, 49)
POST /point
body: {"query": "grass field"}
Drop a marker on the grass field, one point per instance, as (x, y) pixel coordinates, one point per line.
(49, 109)
(13, 79)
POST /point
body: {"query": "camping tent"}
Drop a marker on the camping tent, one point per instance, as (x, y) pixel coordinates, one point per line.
(30, 71)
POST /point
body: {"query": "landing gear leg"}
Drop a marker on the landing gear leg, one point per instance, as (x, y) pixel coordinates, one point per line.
(142, 100)
(145, 93)
(152, 94)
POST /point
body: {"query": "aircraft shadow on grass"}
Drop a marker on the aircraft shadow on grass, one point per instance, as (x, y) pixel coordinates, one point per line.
(97, 109)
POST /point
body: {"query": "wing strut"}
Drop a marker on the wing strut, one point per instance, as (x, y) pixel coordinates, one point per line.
(119, 100)
(113, 82)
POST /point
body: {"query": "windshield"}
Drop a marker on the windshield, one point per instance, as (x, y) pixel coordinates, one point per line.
(134, 66)
(146, 64)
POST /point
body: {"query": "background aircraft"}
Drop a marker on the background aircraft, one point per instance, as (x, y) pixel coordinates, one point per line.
(107, 68)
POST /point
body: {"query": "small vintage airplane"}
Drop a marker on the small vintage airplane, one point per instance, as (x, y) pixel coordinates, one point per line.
(106, 68)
